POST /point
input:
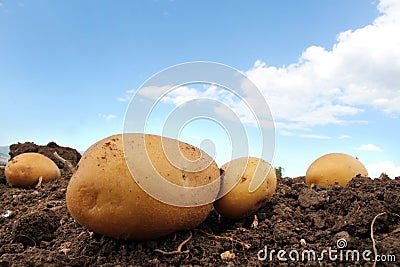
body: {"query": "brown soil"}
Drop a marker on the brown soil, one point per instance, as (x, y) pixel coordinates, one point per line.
(37, 230)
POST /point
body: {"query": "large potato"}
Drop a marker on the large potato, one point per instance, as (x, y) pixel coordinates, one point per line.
(26, 169)
(334, 167)
(241, 200)
(104, 196)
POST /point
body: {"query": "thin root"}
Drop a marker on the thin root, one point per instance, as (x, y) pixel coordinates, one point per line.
(254, 224)
(178, 250)
(395, 231)
(39, 184)
(372, 235)
(243, 244)
(66, 162)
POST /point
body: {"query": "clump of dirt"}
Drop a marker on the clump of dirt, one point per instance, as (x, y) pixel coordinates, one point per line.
(70, 154)
(298, 223)
(36, 226)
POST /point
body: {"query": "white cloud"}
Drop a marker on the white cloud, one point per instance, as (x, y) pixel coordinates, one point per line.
(326, 86)
(345, 137)
(286, 133)
(127, 97)
(311, 136)
(370, 147)
(314, 136)
(123, 99)
(154, 92)
(388, 167)
(107, 117)
(183, 94)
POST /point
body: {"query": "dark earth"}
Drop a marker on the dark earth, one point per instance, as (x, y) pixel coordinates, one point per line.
(37, 230)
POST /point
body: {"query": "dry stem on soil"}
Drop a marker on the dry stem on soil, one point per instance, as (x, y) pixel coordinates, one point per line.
(66, 162)
(178, 250)
(244, 245)
(372, 236)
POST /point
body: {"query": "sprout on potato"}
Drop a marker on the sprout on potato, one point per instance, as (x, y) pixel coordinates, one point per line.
(241, 174)
(28, 169)
(334, 168)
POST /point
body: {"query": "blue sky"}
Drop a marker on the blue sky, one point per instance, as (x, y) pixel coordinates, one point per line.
(329, 70)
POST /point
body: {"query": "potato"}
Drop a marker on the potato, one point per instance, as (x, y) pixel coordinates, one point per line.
(25, 169)
(104, 197)
(334, 167)
(241, 175)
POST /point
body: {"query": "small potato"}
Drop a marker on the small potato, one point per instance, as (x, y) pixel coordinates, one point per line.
(241, 174)
(104, 197)
(25, 169)
(334, 167)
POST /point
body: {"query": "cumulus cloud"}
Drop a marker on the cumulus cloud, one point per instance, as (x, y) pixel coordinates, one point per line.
(370, 147)
(123, 99)
(388, 167)
(127, 96)
(314, 136)
(310, 136)
(326, 86)
(183, 94)
(107, 117)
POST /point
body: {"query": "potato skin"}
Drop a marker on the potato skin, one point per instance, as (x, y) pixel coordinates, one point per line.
(240, 202)
(103, 196)
(334, 167)
(24, 170)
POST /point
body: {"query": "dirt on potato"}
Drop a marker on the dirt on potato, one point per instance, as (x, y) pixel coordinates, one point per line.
(298, 227)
